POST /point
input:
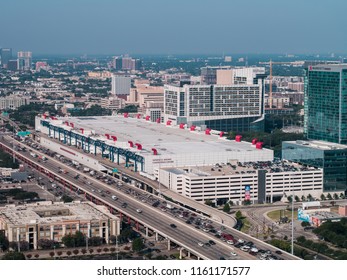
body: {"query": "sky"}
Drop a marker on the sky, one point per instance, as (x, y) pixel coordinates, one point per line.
(174, 26)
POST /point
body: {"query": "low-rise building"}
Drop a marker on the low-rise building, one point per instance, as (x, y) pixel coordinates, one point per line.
(13, 102)
(48, 220)
(112, 103)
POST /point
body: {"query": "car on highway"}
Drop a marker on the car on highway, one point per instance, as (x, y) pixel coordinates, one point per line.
(138, 210)
(173, 226)
(201, 244)
(212, 242)
(233, 254)
(230, 242)
(245, 248)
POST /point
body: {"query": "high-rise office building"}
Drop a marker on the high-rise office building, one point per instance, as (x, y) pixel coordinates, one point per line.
(6, 56)
(126, 63)
(121, 86)
(326, 103)
(24, 61)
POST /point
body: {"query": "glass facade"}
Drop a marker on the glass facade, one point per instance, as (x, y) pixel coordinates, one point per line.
(333, 162)
(326, 104)
(236, 124)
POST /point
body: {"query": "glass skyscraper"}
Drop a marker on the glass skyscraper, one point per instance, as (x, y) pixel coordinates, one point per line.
(326, 103)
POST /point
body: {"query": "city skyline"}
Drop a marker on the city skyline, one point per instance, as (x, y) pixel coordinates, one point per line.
(91, 27)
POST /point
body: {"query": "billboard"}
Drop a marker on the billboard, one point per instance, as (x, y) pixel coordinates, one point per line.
(247, 192)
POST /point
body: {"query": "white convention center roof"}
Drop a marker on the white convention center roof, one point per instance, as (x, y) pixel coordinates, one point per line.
(166, 139)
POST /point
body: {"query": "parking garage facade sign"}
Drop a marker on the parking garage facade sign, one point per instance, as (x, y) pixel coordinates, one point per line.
(247, 193)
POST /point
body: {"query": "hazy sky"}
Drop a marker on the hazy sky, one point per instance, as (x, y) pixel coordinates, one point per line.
(174, 26)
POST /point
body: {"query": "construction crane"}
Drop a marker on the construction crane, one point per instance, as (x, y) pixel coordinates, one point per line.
(270, 76)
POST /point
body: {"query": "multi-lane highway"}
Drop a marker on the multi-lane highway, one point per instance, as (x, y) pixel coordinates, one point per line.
(185, 235)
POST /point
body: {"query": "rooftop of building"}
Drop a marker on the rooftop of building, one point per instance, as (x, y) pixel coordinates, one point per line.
(328, 67)
(166, 139)
(48, 212)
(322, 215)
(236, 168)
(320, 145)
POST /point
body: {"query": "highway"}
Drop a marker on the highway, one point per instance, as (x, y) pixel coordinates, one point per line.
(151, 217)
(215, 214)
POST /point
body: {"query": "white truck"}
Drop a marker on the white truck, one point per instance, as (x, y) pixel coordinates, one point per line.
(33, 155)
(86, 169)
(92, 173)
(169, 206)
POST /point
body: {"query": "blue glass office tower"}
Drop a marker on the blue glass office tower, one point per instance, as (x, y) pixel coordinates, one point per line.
(326, 103)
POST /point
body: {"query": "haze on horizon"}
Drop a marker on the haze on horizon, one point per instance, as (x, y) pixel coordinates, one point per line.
(173, 27)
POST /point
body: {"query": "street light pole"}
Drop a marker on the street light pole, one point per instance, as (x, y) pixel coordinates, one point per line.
(117, 247)
(292, 247)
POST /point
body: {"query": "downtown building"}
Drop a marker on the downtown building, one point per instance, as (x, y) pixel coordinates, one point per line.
(219, 107)
(120, 86)
(325, 125)
(48, 220)
(24, 61)
(13, 102)
(6, 56)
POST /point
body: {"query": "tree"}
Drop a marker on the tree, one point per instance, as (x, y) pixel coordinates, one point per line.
(68, 241)
(74, 240)
(336, 197)
(68, 253)
(289, 198)
(137, 244)
(83, 251)
(322, 197)
(59, 253)
(29, 256)
(66, 198)
(95, 241)
(329, 197)
(238, 215)
(113, 239)
(112, 249)
(297, 199)
(80, 239)
(305, 224)
(226, 208)
(23, 245)
(51, 254)
(4, 244)
(99, 250)
(37, 256)
(13, 256)
(47, 244)
(105, 249)
(231, 203)
(303, 198)
(309, 197)
(91, 251)
(209, 202)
